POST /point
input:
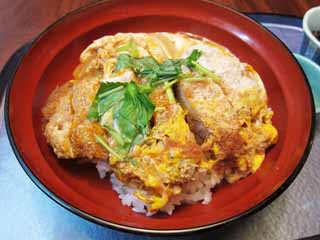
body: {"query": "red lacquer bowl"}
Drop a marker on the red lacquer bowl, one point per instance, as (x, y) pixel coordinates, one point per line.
(55, 54)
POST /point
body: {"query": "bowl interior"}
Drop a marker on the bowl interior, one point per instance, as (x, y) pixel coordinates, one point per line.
(55, 54)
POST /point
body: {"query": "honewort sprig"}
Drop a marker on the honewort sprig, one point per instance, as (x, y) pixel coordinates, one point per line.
(130, 104)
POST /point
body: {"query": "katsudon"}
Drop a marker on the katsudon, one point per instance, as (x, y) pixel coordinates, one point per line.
(167, 116)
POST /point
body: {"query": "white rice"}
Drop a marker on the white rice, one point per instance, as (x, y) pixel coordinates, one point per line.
(195, 191)
(103, 168)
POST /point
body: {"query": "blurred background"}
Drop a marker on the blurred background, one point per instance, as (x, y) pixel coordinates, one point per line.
(22, 20)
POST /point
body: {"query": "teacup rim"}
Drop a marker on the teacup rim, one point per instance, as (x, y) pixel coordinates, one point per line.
(305, 27)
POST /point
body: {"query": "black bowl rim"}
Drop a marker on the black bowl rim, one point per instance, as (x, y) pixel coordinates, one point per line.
(135, 230)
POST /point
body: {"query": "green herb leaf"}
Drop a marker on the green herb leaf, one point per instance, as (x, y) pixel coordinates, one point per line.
(145, 88)
(124, 61)
(131, 112)
(194, 56)
(134, 114)
(170, 95)
(93, 111)
(131, 48)
(145, 65)
(156, 73)
(100, 140)
(134, 162)
(120, 140)
(107, 96)
(195, 79)
(205, 72)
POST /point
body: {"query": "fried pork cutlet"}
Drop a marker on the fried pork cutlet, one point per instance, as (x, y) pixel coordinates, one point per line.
(232, 116)
(67, 128)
